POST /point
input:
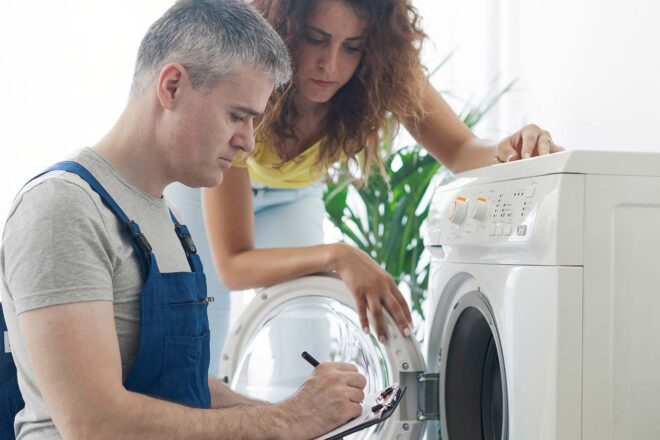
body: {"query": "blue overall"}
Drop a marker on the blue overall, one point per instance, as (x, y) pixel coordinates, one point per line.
(173, 353)
(11, 401)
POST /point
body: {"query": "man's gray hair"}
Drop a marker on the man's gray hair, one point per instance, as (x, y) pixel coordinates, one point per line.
(212, 39)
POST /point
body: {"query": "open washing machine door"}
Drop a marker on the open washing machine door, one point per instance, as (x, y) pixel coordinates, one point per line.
(317, 314)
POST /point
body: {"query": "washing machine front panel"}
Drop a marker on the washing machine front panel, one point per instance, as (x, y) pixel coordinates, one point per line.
(262, 356)
(525, 323)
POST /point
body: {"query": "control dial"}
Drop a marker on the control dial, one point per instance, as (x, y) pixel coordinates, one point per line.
(458, 210)
(479, 209)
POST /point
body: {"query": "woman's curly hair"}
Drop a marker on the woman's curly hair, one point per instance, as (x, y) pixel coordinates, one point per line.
(387, 86)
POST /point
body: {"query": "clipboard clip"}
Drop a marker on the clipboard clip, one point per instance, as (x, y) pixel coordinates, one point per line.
(385, 401)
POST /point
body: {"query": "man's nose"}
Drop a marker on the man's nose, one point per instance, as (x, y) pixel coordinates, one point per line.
(249, 144)
(244, 139)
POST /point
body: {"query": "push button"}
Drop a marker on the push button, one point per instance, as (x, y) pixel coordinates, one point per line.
(522, 230)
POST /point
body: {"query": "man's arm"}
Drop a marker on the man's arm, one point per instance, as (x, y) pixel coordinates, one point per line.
(74, 353)
(223, 397)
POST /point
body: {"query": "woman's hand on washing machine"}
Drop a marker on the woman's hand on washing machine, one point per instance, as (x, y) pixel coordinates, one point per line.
(372, 288)
(531, 140)
(329, 398)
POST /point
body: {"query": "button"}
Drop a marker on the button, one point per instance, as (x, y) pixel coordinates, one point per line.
(522, 230)
(479, 209)
(507, 230)
(493, 230)
(458, 210)
(529, 192)
(498, 230)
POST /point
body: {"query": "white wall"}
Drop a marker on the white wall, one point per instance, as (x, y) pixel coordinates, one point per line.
(587, 69)
(468, 30)
(65, 71)
(590, 70)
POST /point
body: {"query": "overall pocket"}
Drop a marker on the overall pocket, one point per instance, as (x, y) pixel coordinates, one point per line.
(184, 376)
(187, 318)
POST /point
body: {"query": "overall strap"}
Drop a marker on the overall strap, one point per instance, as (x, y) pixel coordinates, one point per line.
(188, 245)
(138, 239)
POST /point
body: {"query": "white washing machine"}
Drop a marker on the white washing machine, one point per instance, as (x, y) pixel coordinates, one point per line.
(543, 319)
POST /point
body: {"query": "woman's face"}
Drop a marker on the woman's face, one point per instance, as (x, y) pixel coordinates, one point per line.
(330, 50)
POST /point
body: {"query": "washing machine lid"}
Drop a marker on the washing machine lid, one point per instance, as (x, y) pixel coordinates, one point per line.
(608, 163)
(317, 314)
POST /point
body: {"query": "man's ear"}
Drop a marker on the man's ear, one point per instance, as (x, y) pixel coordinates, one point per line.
(170, 83)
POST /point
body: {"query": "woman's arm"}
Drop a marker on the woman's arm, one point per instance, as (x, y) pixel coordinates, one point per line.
(229, 222)
(452, 143)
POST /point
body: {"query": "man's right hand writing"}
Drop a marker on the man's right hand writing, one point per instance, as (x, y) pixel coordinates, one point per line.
(328, 399)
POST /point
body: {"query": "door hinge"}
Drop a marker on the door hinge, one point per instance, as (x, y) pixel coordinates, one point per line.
(422, 399)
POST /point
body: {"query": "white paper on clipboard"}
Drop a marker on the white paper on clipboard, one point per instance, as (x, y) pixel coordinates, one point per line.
(367, 418)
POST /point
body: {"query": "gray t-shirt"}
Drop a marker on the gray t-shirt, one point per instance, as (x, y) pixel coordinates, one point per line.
(60, 245)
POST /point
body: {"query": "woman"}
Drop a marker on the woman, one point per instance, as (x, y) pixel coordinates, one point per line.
(357, 74)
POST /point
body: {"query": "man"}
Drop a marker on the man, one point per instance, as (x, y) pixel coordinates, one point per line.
(102, 290)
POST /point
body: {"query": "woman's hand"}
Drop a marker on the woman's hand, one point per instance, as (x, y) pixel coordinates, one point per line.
(531, 140)
(372, 288)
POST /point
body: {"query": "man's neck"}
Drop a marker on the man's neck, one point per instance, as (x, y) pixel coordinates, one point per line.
(131, 150)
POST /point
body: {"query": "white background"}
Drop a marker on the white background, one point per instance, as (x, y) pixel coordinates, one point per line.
(587, 70)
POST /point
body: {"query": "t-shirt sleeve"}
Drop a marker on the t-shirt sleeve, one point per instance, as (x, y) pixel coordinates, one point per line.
(57, 248)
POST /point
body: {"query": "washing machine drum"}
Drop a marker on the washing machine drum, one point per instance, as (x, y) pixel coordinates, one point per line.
(317, 314)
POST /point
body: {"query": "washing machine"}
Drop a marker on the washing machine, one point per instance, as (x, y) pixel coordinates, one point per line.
(542, 320)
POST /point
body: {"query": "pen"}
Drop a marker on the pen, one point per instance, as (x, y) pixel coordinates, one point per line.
(308, 357)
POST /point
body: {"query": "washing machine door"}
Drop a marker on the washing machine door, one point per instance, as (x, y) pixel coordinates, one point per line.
(317, 314)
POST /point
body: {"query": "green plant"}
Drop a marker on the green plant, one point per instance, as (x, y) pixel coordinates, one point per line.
(384, 218)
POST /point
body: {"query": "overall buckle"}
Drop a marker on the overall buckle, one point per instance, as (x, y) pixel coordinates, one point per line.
(186, 239)
(134, 229)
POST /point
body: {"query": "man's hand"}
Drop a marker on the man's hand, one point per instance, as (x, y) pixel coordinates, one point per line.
(328, 399)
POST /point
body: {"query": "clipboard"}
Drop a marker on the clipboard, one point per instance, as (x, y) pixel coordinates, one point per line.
(384, 408)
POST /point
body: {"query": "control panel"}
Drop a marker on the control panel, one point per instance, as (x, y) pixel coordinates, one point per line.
(532, 220)
(493, 213)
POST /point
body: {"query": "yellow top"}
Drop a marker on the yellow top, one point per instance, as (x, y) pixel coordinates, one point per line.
(266, 167)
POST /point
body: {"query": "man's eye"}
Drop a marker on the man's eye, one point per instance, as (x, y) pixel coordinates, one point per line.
(235, 117)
